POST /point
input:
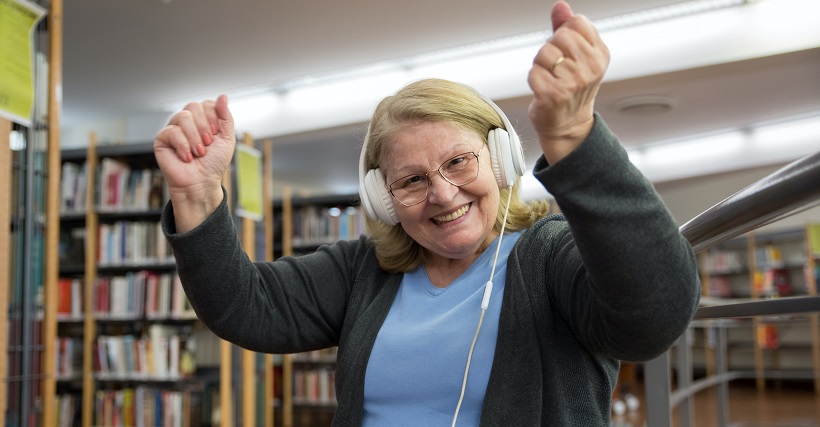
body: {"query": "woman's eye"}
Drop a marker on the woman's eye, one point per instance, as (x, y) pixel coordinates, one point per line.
(457, 162)
(413, 181)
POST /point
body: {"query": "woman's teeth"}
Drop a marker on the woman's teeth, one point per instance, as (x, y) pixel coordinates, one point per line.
(453, 216)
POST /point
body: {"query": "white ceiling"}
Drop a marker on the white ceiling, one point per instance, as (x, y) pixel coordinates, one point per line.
(126, 59)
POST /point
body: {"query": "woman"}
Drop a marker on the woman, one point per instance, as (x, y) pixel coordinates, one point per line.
(419, 343)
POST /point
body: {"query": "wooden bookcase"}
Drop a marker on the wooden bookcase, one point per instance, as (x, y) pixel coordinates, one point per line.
(131, 318)
(304, 223)
(766, 264)
(28, 192)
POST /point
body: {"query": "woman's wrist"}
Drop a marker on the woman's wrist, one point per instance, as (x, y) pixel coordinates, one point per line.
(193, 206)
(558, 145)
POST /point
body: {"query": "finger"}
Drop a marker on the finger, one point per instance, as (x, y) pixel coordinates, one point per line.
(585, 28)
(210, 113)
(548, 57)
(578, 40)
(190, 123)
(203, 128)
(224, 118)
(173, 137)
(561, 12)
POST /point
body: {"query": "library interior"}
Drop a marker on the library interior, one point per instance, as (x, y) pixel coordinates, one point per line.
(715, 102)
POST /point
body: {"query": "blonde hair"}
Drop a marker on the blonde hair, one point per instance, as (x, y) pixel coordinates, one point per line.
(435, 100)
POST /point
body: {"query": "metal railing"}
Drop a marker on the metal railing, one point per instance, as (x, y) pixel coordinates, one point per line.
(790, 190)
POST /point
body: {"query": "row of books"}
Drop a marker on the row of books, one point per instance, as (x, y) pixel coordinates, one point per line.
(773, 282)
(321, 355)
(314, 225)
(132, 296)
(147, 407)
(722, 262)
(141, 294)
(159, 355)
(769, 257)
(69, 298)
(118, 188)
(132, 243)
(68, 360)
(314, 386)
(68, 410)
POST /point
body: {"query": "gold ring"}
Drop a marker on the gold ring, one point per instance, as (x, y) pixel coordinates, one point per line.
(557, 62)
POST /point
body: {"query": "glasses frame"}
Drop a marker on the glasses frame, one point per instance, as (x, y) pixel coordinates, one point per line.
(438, 169)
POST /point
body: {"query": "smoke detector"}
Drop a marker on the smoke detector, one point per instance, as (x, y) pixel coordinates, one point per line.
(645, 104)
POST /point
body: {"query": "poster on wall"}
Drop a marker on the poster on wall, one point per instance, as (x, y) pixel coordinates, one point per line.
(17, 21)
(249, 182)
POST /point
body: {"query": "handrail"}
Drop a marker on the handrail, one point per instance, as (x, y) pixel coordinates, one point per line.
(764, 307)
(793, 188)
(789, 190)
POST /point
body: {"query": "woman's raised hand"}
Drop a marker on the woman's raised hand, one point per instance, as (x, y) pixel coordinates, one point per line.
(565, 78)
(193, 151)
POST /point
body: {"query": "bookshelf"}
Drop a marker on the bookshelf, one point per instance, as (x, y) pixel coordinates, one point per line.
(766, 264)
(126, 333)
(29, 155)
(304, 224)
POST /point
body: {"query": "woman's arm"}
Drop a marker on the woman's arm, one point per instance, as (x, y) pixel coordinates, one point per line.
(291, 305)
(627, 280)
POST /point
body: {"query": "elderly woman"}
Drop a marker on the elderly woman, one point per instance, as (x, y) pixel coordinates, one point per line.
(462, 304)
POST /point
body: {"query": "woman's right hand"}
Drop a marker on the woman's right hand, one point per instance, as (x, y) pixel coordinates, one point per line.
(194, 151)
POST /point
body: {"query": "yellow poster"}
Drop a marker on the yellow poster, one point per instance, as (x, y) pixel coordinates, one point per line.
(17, 21)
(249, 182)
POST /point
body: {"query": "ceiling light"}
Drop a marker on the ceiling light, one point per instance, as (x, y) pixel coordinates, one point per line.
(664, 13)
(709, 147)
(527, 40)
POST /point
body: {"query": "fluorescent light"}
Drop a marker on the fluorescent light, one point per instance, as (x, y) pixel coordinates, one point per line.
(480, 70)
(248, 109)
(471, 53)
(709, 147)
(761, 144)
(641, 43)
(665, 12)
(801, 131)
(345, 93)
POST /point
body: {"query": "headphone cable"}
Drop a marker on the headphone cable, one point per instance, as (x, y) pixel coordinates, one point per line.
(485, 301)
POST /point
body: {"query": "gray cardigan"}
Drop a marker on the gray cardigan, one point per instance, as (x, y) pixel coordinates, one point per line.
(610, 279)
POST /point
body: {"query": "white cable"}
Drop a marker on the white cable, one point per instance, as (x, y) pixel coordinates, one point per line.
(500, 236)
(485, 302)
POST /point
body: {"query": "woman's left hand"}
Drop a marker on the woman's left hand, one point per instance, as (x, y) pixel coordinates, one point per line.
(565, 78)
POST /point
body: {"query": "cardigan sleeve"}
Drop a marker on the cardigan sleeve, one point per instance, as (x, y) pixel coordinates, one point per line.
(623, 277)
(291, 305)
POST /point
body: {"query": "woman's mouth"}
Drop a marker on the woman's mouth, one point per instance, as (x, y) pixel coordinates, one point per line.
(452, 216)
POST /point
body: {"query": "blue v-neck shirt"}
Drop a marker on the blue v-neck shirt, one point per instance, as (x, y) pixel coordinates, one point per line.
(416, 369)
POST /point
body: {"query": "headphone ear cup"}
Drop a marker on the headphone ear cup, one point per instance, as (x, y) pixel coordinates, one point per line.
(376, 200)
(506, 157)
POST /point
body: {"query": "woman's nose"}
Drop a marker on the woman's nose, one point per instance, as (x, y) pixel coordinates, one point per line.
(441, 191)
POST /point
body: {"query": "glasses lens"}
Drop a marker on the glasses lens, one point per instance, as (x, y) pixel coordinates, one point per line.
(461, 169)
(410, 190)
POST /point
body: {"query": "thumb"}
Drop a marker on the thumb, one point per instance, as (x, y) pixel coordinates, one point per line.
(561, 12)
(224, 118)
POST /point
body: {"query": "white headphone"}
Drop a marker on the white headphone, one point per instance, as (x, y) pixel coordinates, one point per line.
(506, 157)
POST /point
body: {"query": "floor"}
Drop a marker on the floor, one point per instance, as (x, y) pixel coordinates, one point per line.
(781, 405)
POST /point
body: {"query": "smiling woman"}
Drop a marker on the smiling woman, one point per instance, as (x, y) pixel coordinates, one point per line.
(424, 338)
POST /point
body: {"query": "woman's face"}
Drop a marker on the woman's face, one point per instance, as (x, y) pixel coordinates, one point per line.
(452, 222)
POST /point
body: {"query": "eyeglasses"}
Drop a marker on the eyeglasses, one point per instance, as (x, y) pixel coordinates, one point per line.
(458, 170)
